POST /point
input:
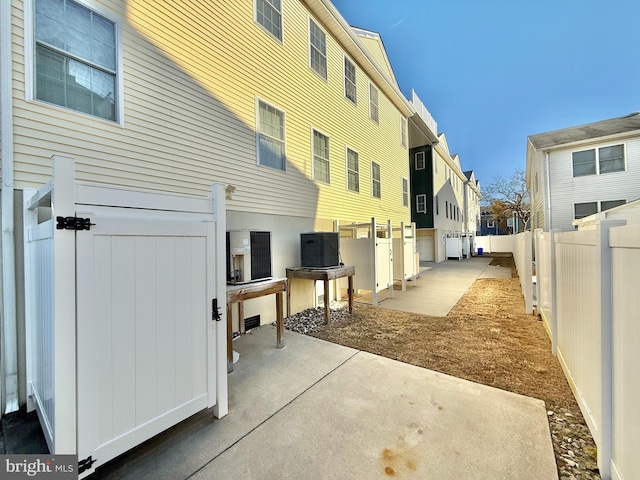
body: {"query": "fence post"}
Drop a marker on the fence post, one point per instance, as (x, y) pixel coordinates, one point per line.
(63, 204)
(605, 450)
(554, 301)
(391, 258)
(219, 376)
(374, 263)
(526, 282)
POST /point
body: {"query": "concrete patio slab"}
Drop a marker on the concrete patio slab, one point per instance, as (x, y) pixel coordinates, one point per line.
(378, 418)
(264, 380)
(496, 271)
(439, 288)
(321, 411)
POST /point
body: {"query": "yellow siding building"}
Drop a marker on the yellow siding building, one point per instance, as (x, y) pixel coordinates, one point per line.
(278, 99)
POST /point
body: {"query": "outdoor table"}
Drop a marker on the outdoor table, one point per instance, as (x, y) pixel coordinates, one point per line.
(239, 293)
(324, 274)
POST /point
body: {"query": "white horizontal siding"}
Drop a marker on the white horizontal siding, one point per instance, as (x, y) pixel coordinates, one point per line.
(567, 190)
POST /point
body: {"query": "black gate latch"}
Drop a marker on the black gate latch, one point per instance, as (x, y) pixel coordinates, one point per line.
(215, 310)
(73, 223)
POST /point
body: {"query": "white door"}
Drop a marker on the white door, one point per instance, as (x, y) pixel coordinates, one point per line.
(425, 247)
(144, 350)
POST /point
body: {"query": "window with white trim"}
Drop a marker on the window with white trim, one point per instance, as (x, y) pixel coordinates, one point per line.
(491, 224)
(376, 186)
(373, 103)
(317, 49)
(403, 131)
(421, 203)
(353, 171)
(269, 15)
(271, 138)
(350, 90)
(597, 161)
(419, 161)
(437, 206)
(446, 208)
(606, 205)
(320, 157)
(581, 210)
(405, 192)
(75, 58)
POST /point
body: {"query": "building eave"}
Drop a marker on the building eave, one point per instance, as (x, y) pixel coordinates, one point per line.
(342, 31)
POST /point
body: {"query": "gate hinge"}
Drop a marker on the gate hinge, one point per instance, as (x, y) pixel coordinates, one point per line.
(73, 223)
(85, 464)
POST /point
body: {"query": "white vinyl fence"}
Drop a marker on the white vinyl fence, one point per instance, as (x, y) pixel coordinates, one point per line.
(495, 243)
(123, 337)
(588, 283)
(522, 255)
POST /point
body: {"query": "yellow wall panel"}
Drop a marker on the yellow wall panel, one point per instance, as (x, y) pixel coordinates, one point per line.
(192, 72)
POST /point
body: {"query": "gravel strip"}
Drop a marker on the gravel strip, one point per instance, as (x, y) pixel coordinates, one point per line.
(311, 319)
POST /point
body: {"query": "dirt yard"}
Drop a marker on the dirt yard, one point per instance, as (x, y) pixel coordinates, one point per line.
(487, 338)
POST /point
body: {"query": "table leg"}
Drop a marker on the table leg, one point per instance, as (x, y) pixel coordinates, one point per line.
(288, 298)
(327, 310)
(241, 317)
(279, 321)
(229, 339)
(350, 286)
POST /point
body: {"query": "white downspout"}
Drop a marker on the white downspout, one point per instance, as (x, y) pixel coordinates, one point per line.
(9, 357)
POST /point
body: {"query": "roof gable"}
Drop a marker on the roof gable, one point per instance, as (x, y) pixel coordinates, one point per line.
(442, 142)
(373, 42)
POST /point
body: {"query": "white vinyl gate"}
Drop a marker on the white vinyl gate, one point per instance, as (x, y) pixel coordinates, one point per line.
(124, 337)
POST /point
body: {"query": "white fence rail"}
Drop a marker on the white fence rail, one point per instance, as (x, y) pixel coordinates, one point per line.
(588, 283)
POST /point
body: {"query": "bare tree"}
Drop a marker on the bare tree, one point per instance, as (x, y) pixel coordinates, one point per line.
(508, 196)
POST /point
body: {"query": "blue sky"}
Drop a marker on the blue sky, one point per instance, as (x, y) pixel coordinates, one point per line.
(492, 72)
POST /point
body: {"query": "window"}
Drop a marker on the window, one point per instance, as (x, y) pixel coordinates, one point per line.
(421, 203)
(376, 190)
(269, 15)
(437, 206)
(584, 163)
(598, 161)
(317, 49)
(405, 192)
(403, 131)
(585, 209)
(271, 147)
(353, 172)
(76, 65)
(419, 161)
(320, 157)
(350, 80)
(490, 224)
(446, 208)
(611, 159)
(373, 102)
(611, 204)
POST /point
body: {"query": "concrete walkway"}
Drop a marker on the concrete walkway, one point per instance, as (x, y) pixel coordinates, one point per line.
(316, 410)
(442, 285)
